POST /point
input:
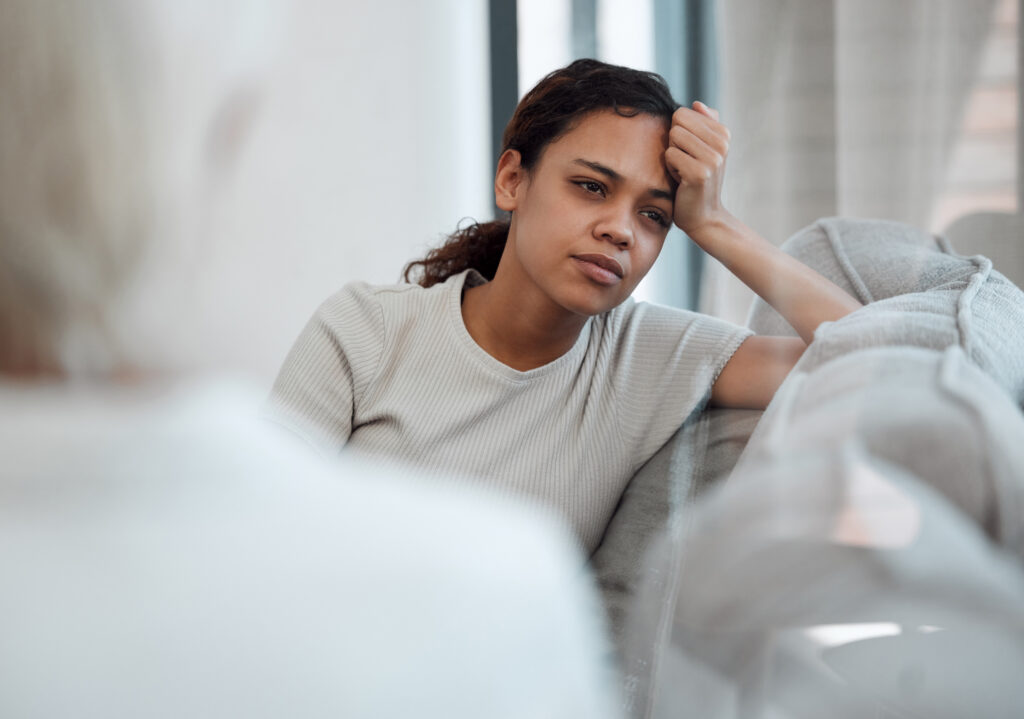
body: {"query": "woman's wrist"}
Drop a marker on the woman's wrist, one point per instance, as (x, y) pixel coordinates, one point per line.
(715, 229)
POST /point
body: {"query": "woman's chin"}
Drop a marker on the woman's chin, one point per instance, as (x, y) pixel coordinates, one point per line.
(590, 304)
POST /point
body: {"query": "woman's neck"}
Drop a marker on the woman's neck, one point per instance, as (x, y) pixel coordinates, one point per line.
(516, 331)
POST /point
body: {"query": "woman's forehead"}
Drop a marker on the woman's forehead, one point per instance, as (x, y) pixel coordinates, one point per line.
(632, 146)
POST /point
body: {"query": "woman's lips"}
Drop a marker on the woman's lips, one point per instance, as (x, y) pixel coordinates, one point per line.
(600, 268)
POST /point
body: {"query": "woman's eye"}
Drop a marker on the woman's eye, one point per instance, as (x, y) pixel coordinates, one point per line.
(591, 186)
(656, 216)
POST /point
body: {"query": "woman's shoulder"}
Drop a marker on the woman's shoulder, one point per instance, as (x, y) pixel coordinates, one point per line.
(650, 330)
(368, 293)
(381, 306)
(384, 296)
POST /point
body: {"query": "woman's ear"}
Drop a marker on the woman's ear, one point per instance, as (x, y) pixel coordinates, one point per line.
(508, 180)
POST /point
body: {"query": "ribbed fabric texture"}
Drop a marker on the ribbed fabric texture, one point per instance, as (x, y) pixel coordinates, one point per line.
(392, 371)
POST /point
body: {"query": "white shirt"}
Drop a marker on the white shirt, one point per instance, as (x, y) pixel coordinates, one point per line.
(164, 553)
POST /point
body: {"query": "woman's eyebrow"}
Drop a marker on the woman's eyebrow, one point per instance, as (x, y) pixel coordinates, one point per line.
(615, 177)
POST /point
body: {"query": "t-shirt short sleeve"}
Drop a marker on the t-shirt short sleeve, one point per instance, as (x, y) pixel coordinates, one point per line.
(329, 368)
(665, 362)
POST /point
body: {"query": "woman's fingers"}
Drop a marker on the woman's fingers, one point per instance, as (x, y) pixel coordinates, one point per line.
(703, 122)
(686, 169)
(705, 110)
(710, 150)
(695, 157)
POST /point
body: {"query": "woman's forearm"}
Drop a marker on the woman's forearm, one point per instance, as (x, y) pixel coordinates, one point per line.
(695, 157)
(802, 296)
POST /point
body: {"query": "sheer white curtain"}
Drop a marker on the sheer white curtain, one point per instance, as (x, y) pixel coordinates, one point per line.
(840, 107)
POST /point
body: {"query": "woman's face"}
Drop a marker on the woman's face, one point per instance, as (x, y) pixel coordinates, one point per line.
(591, 216)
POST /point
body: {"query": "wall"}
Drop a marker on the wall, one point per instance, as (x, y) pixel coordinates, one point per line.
(370, 143)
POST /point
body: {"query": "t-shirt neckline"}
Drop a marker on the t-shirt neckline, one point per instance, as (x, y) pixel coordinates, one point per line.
(472, 278)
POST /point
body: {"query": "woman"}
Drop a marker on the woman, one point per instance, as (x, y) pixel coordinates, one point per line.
(520, 358)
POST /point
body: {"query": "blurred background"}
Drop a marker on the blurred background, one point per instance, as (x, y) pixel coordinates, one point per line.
(374, 133)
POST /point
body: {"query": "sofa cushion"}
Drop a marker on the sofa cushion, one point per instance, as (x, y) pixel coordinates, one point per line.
(917, 291)
(703, 450)
(830, 536)
(861, 498)
(934, 414)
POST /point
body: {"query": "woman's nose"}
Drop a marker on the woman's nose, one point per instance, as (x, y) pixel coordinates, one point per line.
(616, 226)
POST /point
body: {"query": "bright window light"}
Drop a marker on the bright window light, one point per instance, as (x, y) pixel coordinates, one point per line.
(544, 39)
(625, 33)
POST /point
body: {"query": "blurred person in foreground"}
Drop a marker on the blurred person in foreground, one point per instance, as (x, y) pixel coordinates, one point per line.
(163, 553)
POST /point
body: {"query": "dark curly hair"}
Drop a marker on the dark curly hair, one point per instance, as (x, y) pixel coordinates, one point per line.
(545, 113)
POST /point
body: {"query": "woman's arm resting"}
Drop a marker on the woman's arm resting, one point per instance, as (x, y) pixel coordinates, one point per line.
(755, 371)
(698, 145)
(798, 293)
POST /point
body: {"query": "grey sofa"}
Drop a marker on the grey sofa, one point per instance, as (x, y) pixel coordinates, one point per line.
(883, 486)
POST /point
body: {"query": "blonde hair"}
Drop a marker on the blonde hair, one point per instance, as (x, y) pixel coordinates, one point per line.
(73, 180)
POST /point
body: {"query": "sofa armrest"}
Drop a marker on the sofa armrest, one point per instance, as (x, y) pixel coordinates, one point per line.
(703, 450)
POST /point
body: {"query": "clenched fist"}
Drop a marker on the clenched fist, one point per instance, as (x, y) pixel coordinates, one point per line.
(698, 145)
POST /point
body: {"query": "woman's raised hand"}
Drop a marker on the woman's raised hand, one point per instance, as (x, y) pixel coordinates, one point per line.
(698, 145)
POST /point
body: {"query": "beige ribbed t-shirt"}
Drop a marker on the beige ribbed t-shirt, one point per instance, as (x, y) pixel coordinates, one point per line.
(392, 371)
